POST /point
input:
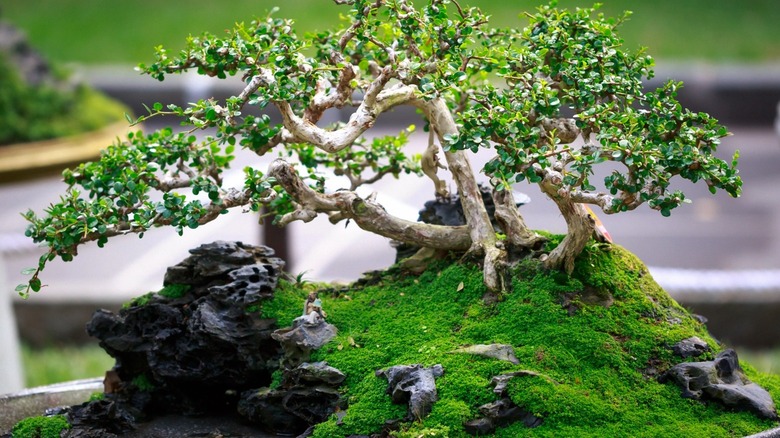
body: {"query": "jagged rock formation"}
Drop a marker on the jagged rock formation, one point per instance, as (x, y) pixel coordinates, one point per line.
(414, 385)
(308, 395)
(198, 346)
(304, 336)
(193, 348)
(721, 380)
(503, 411)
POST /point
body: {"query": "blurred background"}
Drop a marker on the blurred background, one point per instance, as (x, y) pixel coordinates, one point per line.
(718, 256)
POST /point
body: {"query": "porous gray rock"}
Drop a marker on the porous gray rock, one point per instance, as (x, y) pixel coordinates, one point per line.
(721, 380)
(199, 350)
(690, 347)
(305, 336)
(212, 261)
(414, 385)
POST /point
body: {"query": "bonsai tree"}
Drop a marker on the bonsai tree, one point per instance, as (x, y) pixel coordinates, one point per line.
(552, 101)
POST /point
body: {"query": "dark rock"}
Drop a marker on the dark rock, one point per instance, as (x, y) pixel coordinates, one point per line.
(250, 284)
(306, 433)
(228, 425)
(690, 347)
(502, 412)
(722, 381)
(499, 382)
(289, 411)
(479, 426)
(450, 211)
(414, 385)
(218, 259)
(302, 338)
(98, 419)
(194, 351)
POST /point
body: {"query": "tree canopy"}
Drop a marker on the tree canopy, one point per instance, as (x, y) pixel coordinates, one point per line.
(551, 101)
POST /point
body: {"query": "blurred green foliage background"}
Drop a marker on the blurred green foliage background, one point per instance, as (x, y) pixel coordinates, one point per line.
(103, 31)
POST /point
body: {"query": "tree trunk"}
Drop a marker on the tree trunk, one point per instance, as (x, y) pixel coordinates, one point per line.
(517, 232)
(483, 237)
(579, 225)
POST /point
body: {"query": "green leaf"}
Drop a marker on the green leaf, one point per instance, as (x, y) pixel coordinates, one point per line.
(29, 271)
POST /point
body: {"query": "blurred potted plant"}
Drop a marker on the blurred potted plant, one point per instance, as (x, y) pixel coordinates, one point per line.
(47, 119)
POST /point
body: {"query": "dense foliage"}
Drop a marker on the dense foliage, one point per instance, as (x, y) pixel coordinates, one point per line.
(552, 100)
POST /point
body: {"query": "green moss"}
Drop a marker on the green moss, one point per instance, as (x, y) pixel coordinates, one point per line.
(143, 383)
(141, 300)
(40, 427)
(95, 396)
(589, 336)
(174, 290)
(276, 379)
(171, 291)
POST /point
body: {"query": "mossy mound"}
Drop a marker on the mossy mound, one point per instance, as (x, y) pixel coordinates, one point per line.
(40, 427)
(597, 340)
(50, 110)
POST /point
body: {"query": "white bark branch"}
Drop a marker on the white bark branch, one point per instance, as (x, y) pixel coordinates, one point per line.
(566, 130)
(340, 95)
(366, 213)
(483, 237)
(375, 102)
(517, 232)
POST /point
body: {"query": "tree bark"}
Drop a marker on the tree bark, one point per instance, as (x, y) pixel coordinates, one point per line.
(579, 225)
(366, 213)
(483, 237)
(517, 232)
